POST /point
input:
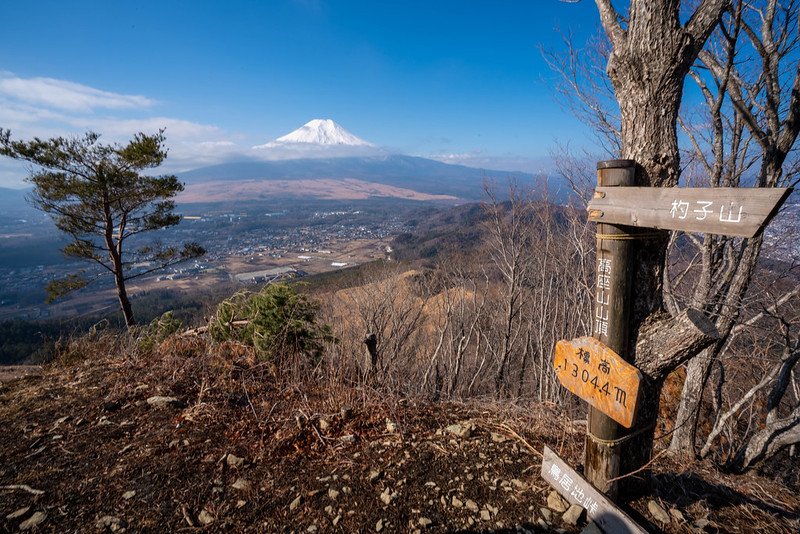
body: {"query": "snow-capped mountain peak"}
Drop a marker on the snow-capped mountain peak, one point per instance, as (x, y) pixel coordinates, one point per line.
(319, 132)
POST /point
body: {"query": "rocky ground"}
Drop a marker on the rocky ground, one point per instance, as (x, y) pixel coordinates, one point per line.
(189, 439)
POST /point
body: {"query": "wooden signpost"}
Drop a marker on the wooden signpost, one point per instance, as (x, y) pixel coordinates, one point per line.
(599, 376)
(597, 369)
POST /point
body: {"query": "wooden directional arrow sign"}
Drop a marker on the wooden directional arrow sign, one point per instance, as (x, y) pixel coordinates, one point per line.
(731, 211)
(599, 376)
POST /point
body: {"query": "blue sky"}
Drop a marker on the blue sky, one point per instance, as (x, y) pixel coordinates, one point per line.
(459, 81)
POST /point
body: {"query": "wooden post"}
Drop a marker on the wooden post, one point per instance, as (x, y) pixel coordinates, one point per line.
(610, 327)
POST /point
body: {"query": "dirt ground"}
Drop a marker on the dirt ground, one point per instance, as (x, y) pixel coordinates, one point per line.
(9, 373)
(239, 449)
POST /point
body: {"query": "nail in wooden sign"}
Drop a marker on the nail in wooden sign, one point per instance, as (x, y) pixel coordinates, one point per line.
(599, 376)
(734, 211)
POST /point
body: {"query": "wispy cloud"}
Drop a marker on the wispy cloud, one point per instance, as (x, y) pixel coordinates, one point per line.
(66, 95)
(47, 107)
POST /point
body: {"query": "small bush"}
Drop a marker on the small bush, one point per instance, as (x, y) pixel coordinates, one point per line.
(159, 330)
(278, 322)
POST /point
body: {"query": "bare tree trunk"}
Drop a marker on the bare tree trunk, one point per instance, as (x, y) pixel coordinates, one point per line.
(767, 442)
(124, 303)
(697, 372)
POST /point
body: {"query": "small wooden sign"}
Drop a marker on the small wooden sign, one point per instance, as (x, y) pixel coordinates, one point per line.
(577, 490)
(743, 212)
(599, 376)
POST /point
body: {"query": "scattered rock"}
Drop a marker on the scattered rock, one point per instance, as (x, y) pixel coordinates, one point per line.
(379, 525)
(311, 529)
(18, 513)
(337, 519)
(241, 484)
(129, 494)
(677, 515)
(471, 505)
(333, 494)
(295, 503)
(485, 515)
(388, 497)
(324, 424)
(114, 524)
(374, 475)
(556, 502)
(573, 515)
(520, 485)
(158, 401)
(456, 502)
(240, 503)
(702, 523)
(424, 521)
(462, 430)
(349, 438)
(205, 518)
(234, 461)
(36, 519)
(391, 426)
(547, 514)
(498, 438)
(658, 512)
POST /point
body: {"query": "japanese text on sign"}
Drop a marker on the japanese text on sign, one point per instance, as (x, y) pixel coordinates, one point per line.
(598, 375)
(680, 210)
(575, 489)
(602, 296)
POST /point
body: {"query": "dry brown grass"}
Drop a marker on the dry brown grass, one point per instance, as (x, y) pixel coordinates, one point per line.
(290, 432)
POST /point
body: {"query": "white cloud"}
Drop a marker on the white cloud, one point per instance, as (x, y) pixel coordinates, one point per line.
(62, 94)
(46, 107)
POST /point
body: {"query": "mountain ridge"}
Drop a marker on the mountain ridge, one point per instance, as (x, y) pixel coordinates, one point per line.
(422, 175)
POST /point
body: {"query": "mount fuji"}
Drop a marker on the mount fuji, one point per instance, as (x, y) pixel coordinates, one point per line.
(319, 132)
(322, 160)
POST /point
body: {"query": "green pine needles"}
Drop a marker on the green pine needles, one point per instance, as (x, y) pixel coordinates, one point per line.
(278, 322)
(99, 197)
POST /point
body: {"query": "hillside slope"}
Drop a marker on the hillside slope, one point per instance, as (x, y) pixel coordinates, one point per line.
(87, 446)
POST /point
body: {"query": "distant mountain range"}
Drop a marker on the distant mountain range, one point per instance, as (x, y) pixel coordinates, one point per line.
(13, 204)
(323, 160)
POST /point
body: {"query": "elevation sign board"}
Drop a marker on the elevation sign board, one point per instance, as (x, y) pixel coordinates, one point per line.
(599, 376)
(734, 211)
